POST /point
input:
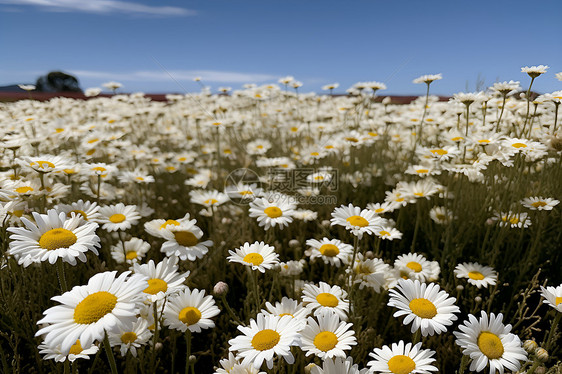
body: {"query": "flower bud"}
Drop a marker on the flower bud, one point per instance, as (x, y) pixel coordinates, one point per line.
(192, 360)
(308, 368)
(460, 288)
(326, 223)
(542, 354)
(478, 299)
(220, 289)
(530, 345)
(158, 346)
(293, 243)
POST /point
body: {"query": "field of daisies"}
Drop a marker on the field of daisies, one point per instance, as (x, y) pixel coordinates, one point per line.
(265, 230)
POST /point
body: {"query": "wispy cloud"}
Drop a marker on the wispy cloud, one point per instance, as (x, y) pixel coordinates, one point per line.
(178, 75)
(102, 7)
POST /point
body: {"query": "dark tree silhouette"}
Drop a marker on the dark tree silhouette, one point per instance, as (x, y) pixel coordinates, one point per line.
(57, 81)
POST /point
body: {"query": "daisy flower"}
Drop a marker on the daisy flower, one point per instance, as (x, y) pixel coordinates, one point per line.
(190, 309)
(489, 342)
(266, 337)
(534, 71)
(259, 256)
(327, 338)
(476, 274)
(105, 304)
(76, 351)
(243, 192)
(380, 208)
(46, 163)
(388, 233)
(288, 307)
(155, 226)
(134, 251)
(441, 215)
(424, 305)
(415, 266)
(402, 359)
(86, 209)
(331, 251)
(269, 214)
(539, 203)
(183, 241)
(326, 297)
(163, 279)
(370, 272)
(131, 340)
(514, 220)
(118, 217)
(356, 220)
(51, 237)
(208, 198)
(428, 78)
(338, 366)
(231, 365)
(553, 296)
(136, 176)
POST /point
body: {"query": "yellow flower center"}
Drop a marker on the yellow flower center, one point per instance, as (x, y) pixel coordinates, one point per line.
(78, 212)
(325, 341)
(91, 141)
(352, 139)
(253, 258)
(329, 250)
(401, 364)
(246, 193)
(314, 154)
(476, 275)
(414, 266)
(423, 308)
(363, 269)
(457, 138)
(358, 221)
(483, 141)
(514, 220)
(286, 314)
(94, 307)
(211, 201)
(422, 171)
(128, 337)
(558, 300)
(384, 233)
(265, 339)
(418, 194)
(99, 168)
(327, 299)
(76, 348)
(43, 164)
(24, 189)
(273, 212)
(156, 285)
(190, 315)
(519, 145)
(439, 152)
(490, 344)
(117, 218)
(169, 222)
(57, 238)
(131, 255)
(185, 238)
(538, 204)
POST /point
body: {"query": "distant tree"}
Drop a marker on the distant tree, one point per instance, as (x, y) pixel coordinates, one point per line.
(57, 81)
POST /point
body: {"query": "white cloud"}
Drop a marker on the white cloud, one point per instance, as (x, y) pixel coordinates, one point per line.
(178, 75)
(102, 7)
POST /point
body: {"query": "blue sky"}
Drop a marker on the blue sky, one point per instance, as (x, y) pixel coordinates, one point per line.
(141, 43)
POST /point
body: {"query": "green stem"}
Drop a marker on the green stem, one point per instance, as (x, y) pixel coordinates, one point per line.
(352, 271)
(464, 363)
(230, 311)
(61, 275)
(416, 227)
(550, 338)
(416, 336)
(188, 351)
(528, 105)
(109, 354)
(501, 113)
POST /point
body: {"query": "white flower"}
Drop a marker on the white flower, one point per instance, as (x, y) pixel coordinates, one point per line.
(488, 342)
(163, 279)
(51, 237)
(266, 337)
(130, 340)
(331, 251)
(356, 220)
(553, 297)
(118, 217)
(476, 274)
(534, 71)
(424, 305)
(190, 309)
(428, 78)
(76, 351)
(269, 214)
(327, 338)
(259, 256)
(539, 203)
(403, 359)
(105, 304)
(183, 240)
(326, 297)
